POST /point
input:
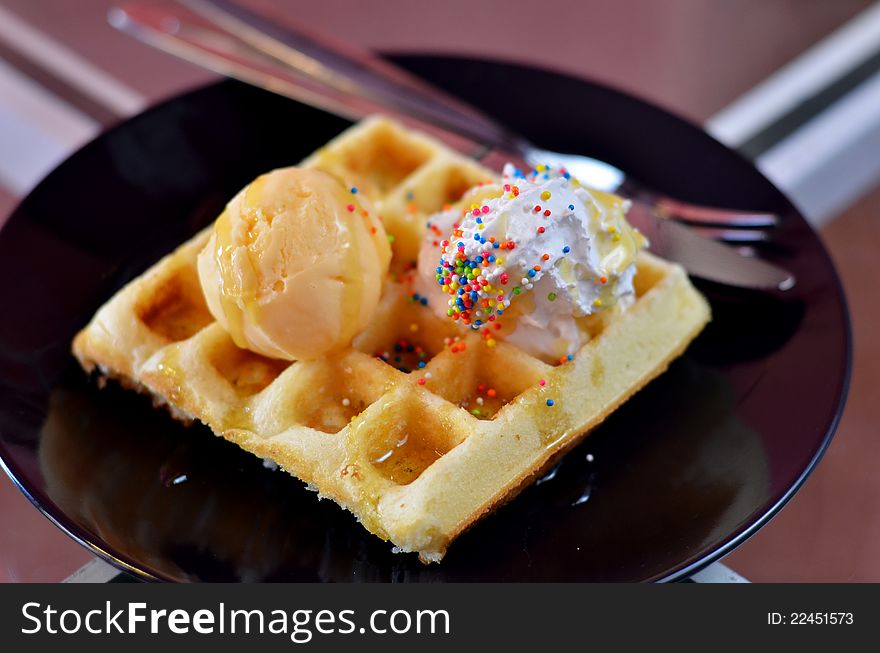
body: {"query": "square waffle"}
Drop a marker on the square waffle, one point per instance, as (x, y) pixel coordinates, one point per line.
(391, 428)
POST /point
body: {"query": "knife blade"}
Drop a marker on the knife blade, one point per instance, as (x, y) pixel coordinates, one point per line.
(705, 258)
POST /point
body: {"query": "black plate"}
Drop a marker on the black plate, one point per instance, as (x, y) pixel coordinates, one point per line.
(685, 471)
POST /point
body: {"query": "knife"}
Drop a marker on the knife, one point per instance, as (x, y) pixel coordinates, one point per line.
(706, 258)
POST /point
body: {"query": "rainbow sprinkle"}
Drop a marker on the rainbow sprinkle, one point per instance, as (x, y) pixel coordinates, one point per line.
(405, 356)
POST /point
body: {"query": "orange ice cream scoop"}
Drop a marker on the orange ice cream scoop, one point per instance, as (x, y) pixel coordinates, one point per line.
(295, 265)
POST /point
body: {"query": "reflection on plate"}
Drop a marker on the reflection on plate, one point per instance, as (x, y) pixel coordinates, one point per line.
(196, 508)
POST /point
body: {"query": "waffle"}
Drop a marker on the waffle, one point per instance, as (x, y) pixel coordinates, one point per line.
(418, 428)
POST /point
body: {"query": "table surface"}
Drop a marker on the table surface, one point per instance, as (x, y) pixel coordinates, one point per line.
(690, 57)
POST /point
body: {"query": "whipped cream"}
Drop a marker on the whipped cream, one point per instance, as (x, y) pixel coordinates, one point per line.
(530, 260)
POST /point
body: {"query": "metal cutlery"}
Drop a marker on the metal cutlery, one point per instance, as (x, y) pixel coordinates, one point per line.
(238, 43)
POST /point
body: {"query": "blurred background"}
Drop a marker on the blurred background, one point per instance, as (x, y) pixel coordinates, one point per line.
(793, 84)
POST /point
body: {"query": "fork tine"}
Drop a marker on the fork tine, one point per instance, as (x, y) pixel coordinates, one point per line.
(711, 216)
(732, 235)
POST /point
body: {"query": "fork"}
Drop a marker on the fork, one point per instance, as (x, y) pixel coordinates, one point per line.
(235, 42)
(349, 70)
